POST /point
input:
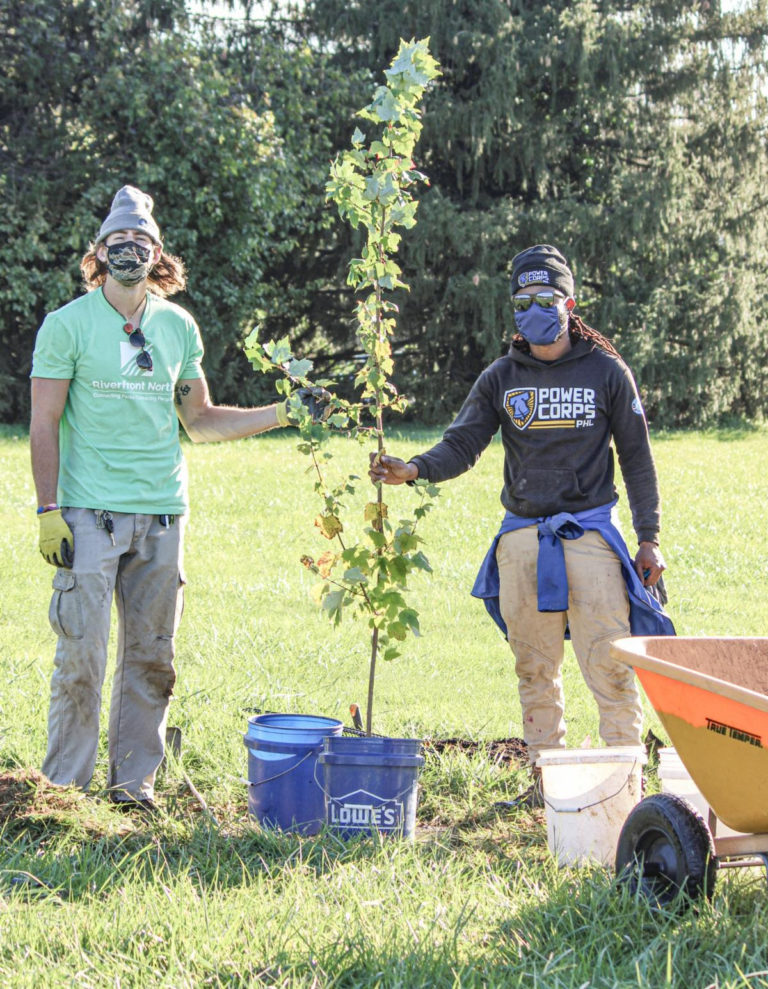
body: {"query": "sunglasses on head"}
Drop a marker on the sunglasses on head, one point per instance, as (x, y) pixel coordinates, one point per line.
(136, 339)
(546, 298)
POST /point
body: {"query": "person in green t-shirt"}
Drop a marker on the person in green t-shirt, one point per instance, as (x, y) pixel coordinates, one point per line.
(113, 373)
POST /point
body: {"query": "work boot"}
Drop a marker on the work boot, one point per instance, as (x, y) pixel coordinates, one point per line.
(530, 799)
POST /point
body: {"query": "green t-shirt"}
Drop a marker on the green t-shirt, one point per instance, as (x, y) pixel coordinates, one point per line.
(119, 434)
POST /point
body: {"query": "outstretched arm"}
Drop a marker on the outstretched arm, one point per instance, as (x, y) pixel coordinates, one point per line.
(205, 422)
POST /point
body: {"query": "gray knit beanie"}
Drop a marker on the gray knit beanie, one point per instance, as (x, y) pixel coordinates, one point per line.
(541, 265)
(131, 210)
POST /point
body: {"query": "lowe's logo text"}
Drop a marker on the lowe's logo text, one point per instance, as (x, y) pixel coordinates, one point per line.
(351, 815)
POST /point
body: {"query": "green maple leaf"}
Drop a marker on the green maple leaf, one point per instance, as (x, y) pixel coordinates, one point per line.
(299, 368)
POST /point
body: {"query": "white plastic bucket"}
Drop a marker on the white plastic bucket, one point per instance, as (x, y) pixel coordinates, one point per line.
(588, 794)
(675, 778)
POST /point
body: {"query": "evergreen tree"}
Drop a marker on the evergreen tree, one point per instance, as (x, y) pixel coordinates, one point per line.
(631, 135)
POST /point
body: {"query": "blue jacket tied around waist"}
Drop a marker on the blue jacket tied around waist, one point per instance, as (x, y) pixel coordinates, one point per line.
(646, 616)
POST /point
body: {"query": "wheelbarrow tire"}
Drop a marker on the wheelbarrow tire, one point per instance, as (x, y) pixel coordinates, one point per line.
(665, 852)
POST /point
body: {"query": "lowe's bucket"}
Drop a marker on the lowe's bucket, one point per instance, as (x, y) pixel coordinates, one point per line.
(370, 784)
(588, 794)
(282, 757)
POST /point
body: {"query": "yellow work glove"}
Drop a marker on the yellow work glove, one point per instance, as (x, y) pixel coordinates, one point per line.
(316, 401)
(57, 544)
(281, 410)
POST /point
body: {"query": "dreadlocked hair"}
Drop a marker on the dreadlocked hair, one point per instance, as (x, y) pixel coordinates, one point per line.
(166, 278)
(578, 330)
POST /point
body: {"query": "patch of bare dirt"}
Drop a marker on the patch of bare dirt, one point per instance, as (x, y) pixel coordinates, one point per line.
(27, 791)
(499, 750)
(28, 800)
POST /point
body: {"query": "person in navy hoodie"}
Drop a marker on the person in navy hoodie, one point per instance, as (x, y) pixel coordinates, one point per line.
(563, 399)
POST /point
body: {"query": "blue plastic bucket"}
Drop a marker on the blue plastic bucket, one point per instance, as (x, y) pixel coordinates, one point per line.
(370, 784)
(282, 758)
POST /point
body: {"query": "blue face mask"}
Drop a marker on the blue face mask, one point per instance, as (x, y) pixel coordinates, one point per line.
(540, 326)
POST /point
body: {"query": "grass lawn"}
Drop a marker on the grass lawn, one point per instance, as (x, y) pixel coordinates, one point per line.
(92, 898)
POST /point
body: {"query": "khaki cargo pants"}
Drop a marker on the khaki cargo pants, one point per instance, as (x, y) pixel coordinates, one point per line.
(598, 613)
(143, 573)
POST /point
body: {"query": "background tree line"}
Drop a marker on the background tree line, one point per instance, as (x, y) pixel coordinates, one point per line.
(630, 134)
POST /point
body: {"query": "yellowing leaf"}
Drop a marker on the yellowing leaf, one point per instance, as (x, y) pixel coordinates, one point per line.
(329, 525)
(325, 563)
(375, 513)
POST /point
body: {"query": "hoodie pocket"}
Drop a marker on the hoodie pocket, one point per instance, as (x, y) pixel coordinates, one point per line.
(546, 490)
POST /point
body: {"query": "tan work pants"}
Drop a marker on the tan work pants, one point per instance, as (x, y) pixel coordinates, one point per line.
(598, 613)
(143, 573)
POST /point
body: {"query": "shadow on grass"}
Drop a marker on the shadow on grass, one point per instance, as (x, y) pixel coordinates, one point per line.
(60, 842)
(735, 429)
(567, 929)
(729, 430)
(551, 927)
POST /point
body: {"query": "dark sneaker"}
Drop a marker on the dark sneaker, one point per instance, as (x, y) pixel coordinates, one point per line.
(141, 804)
(530, 799)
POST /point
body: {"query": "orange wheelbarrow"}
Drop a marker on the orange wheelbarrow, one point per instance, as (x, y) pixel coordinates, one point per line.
(711, 695)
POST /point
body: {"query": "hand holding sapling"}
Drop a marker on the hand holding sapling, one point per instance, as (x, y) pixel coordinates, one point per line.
(317, 402)
(391, 470)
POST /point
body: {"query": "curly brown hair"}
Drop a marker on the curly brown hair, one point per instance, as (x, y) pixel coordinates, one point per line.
(167, 277)
(578, 330)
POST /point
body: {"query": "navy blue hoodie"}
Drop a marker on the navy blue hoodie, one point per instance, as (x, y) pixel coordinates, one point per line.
(559, 423)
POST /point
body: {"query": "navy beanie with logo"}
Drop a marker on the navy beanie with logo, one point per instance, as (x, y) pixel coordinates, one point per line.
(541, 265)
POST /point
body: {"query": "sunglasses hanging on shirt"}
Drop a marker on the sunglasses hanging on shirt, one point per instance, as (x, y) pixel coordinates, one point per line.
(137, 339)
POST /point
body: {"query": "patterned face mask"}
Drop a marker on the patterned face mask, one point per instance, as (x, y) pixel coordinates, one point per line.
(128, 263)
